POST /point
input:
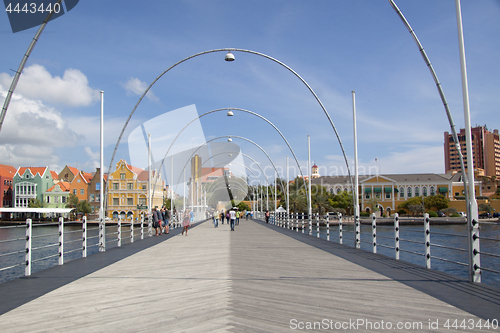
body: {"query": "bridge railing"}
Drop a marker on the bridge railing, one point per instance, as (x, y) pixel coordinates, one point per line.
(63, 239)
(401, 238)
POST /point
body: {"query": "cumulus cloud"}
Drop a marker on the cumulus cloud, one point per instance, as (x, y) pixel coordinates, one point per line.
(30, 132)
(137, 87)
(37, 83)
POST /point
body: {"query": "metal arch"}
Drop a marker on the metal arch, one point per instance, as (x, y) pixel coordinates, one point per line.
(20, 69)
(237, 50)
(235, 109)
(229, 136)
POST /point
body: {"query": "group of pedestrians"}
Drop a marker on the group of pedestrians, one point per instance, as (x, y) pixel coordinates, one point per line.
(161, 220)
(232, 217)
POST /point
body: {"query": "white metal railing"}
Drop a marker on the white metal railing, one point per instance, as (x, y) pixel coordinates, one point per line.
(374, 239)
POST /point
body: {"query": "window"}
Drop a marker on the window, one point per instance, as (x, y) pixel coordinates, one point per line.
(367, 196)
(97, 198)
(116, 201)
(142, 201)
(433, 190)
(82, 191)
(56, 199)
(388, 195)
(424, 191)
(417, 191)
(91, 198)
(409, 192)
(130, 201)
(144, 186)
(97, 186)
(78, 180)
(74, 191)
(122, 176)
(63, 199)
(115, 186)
(48, 199)
(130, 186)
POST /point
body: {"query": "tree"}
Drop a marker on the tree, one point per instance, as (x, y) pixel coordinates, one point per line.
(83, 207)
(242, 206)
(321, 201)
(485, 208)
(342, 200)
(373, 204)
(72, 201)
(415, 209)
(35, 203)
(297, 202)
(437, 201)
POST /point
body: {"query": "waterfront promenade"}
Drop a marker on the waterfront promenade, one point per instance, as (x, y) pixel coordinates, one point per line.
(259, 278)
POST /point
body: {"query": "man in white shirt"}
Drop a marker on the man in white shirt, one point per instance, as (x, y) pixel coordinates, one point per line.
(232, 217)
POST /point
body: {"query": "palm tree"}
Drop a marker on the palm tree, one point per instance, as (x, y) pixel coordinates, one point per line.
(297, 201)
(321, 201)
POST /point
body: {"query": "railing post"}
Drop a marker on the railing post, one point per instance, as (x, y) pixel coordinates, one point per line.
(396, 235)
(357, 232)
(132, 230)
(309, 223)
(102, 235)
(142, 226)
(475, 271)
(61, 240)
(317, 225)
(340, 228)
(84, 237)
(302, 220)
(328, 228)
(150, 225)
(374, 232)
(27, 256)
(427, 231)
(119, 231)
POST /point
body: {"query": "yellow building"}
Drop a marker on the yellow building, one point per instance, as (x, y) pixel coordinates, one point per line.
(128, 191)
(389, 191)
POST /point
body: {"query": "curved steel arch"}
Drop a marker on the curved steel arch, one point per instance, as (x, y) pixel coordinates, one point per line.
(236, 50)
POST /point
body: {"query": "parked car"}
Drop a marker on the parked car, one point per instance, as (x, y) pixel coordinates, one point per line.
(496, 214)
(462, 214)
(485, 215)
(441, 214)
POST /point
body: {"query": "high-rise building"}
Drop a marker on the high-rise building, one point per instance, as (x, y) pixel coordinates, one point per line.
(485, 151)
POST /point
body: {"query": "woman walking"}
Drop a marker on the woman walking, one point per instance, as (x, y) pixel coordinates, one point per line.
(185, 222)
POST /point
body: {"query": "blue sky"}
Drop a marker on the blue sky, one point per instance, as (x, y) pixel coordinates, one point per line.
(336, 46)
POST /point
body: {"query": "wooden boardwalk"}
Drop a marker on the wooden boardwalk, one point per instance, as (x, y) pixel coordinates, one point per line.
(259, 278)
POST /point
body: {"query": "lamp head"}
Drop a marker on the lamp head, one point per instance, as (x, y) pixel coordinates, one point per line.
(230, 113)
(229, 140)
(229, 57)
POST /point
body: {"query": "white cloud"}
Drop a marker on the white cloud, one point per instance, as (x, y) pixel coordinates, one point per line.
(92, 155)
(137, 87)
(37, 83)
(30, 132)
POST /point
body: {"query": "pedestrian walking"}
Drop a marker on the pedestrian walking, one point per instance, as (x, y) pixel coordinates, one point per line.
(267, 216)
(222, 216)
(216, 219)
(237, 217)
(166, 220)
(232, 216)
(185, 222)
(156, 221)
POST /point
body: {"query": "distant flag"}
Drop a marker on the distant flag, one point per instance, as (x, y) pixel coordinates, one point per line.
(31, 13)
(376, 159)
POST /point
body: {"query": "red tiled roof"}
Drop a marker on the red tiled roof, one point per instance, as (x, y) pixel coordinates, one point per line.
(74, 170)
(54, 175)
(87, 176)
(7, 171)
(34, 170)
(64, 186)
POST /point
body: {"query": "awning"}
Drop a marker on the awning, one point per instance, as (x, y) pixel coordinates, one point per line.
(368, 190)
(443, 189)
(387, 189)
(377, 189)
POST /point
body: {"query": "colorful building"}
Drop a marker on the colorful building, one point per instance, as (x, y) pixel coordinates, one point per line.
(7, 173)
(31, 183)
(128, 191)
(94, 191)
(57, 196)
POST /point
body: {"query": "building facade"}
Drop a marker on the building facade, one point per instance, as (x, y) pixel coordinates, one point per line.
(128, 191)
(485, 150)
(57, 196)
(94, 191)
(31, 183)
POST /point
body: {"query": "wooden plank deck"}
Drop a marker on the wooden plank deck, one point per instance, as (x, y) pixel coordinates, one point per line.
(258, 278)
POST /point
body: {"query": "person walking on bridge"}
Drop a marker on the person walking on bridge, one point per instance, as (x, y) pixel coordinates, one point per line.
(232, 216)
(185, 222)
(216, 219)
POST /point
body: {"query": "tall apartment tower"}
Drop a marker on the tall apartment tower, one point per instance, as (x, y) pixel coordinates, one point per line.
(485, 151)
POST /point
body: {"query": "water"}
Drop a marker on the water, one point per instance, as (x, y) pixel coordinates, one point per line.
(45, 240)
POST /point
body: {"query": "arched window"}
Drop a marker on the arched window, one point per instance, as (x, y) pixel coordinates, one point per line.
(433, 190)
(409, 192)
(401, 192)
(424, 191)
(417, 191)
